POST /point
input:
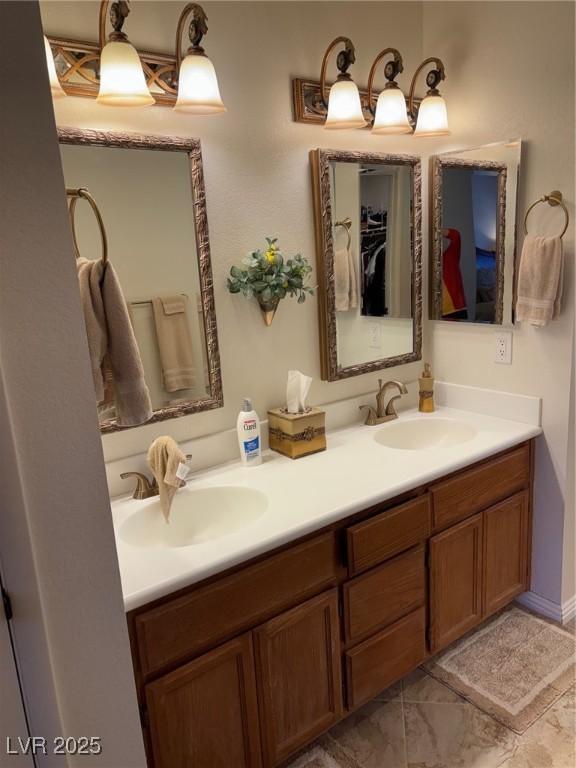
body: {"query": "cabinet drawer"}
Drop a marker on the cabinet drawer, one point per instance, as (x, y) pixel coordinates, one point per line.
(180, 628)
(478, 488)
(384, 594)
(381, 660)
(388, 534)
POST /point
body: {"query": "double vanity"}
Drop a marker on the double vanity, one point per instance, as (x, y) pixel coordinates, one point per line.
(283, 597)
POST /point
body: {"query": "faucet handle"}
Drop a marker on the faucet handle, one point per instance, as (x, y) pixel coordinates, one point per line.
(144, 488)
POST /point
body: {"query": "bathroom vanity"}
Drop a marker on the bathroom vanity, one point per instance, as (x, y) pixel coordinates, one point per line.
(243, 668)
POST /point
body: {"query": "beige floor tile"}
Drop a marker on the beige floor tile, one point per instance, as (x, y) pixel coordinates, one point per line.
(326, 753)
(455, 736)
(550, 742)
(394, 693)
(420, 688)
(374, 736)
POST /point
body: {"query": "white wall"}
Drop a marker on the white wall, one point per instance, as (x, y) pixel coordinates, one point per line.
(256, 170)
(56, 539)
(496, 91)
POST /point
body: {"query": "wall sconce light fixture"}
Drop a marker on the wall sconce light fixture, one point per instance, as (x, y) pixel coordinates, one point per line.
(115, 73)
(56, 89)
(344, 109)
(390, 116)
(432, 117)
(198, 90)
(122, 81)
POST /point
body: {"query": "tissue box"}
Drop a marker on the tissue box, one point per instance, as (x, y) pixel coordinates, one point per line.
(297, 434)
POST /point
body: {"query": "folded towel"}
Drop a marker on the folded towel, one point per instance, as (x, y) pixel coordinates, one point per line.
(117, 369)
(174, 342)
(540, 280)
(345, 282)
(164, 458)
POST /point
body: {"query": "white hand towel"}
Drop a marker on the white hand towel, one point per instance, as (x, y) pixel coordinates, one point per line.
(345, 281)
(540, 280)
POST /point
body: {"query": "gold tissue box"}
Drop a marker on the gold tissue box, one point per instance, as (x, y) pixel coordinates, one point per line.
(297, 434)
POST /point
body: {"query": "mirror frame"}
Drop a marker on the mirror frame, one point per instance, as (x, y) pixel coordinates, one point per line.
(438, 165)
(320, 160)
(192, 148)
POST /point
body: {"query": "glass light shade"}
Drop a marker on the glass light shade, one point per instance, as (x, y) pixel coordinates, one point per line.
(122, 81)
(344, 108)
(391, 113)
(198, 91)
(57, 91)
(432, 117)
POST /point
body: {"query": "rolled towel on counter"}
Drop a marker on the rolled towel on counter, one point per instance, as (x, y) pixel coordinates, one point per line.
(174, 342)
(540, 280)
(164, 459)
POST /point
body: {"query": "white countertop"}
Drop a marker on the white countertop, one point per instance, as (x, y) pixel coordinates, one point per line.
(355, 472)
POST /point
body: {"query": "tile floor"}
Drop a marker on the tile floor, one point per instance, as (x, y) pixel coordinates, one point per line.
(420, 723)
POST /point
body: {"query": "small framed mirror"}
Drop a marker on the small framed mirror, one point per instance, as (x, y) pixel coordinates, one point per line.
(138, 215)
(473, 233)
(368, 243)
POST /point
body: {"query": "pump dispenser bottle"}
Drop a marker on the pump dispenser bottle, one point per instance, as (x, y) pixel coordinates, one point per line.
(248, 428)
(426, 381)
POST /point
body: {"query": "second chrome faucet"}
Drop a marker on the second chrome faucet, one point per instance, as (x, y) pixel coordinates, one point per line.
(383, 412)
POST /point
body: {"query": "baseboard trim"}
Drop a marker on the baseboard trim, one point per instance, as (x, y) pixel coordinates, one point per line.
(559, 612)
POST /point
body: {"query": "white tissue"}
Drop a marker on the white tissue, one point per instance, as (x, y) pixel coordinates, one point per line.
(297, 388)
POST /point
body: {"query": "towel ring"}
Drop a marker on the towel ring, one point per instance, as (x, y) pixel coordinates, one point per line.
(346, 224)
(75, 195)
(553, 199)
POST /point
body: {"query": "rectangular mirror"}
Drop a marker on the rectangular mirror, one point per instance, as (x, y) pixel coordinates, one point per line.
(143, 198)
(368, 238)
(473, 233)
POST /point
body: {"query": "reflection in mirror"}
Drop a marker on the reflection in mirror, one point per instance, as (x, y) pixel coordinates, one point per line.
(473, 233)
(368, 235)
(149, 194)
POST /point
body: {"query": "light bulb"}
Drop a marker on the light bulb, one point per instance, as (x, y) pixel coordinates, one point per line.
(432, 117)
(198, 90)
(57, 91)
(391, 114)
(122, 81)
(344, 107)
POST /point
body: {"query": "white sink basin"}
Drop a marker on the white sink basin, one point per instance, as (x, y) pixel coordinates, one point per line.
(425, 434)
(197, 516)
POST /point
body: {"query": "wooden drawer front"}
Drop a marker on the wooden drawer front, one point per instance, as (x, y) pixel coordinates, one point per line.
(506, 550)
(378, 662)
(383, 595)
(388, 534)
(180, 628)
(476, 489)
(205, 713)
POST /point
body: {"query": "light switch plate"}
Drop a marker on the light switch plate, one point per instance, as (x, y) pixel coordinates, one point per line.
(503, 350)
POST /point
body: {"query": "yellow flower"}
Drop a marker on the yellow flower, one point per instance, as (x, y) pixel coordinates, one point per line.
(270, 255)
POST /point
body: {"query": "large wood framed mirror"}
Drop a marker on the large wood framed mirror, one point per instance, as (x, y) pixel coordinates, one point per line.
(473, 233)
(368, 243)
(149, 199)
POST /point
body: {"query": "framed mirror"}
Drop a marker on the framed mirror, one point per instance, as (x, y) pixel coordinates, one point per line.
(368, 242)
(138, 205)
(473, 233)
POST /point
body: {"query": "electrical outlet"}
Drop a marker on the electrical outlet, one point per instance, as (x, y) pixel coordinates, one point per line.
(503, 352)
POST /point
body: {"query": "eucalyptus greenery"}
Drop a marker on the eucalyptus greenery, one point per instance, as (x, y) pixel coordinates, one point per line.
(269, 277)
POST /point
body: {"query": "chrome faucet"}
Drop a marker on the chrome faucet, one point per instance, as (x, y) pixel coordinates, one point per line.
(144, 487)
(382, 414)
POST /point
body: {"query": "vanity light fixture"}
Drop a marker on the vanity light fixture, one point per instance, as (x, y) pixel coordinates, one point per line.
(390, 116)
(56, 89)
(432, 117)
(122, 81)
(198, 91)
(343, 104)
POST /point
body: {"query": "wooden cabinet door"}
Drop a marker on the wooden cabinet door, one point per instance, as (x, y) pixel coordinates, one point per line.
(506, 550)
(455, 582)
(205, 714)
(298, 676)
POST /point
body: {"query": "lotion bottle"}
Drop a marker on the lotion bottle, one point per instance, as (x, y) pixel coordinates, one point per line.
(248, 427)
